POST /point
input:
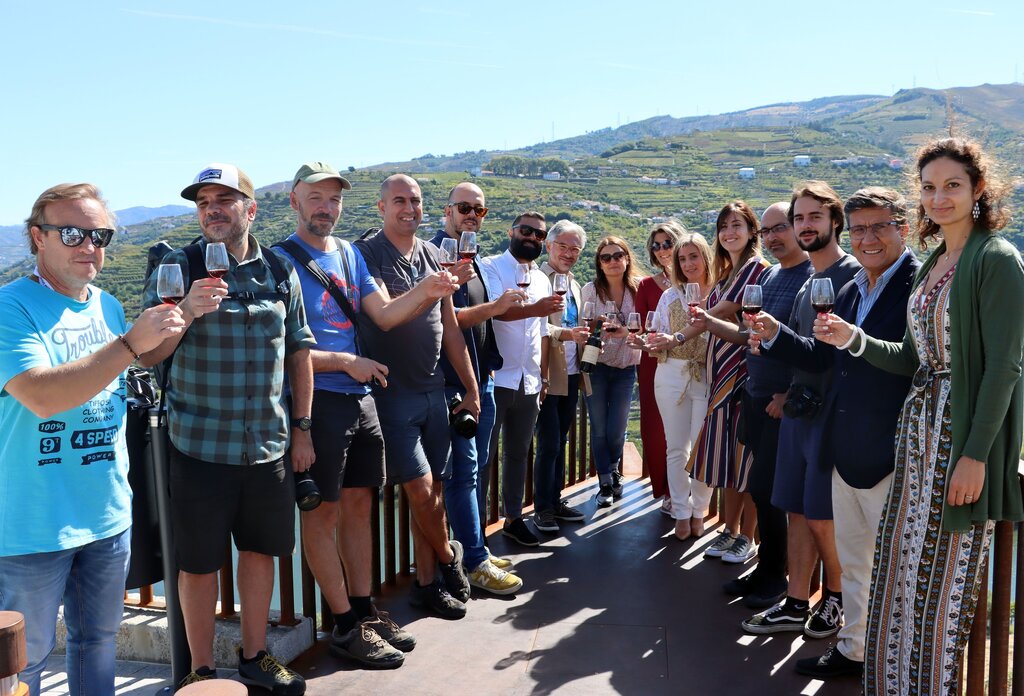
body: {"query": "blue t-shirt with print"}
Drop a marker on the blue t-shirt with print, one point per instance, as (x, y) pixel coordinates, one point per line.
(63, 479)
(330, 325)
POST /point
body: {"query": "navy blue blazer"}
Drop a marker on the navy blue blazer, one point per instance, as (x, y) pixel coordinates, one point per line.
(862, 407)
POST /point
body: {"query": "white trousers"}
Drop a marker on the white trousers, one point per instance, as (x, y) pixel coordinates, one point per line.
(857, 512)
(683, 404)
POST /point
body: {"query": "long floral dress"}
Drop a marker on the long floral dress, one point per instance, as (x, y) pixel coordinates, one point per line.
(925, 581)
(718, 458)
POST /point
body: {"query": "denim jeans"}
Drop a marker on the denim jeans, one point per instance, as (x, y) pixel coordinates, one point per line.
(553, 423)
(460, 489)
(90, 581)
(608, 405)
(484, 427)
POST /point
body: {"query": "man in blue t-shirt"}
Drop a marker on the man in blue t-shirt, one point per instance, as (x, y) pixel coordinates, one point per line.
(345, 430)
(65, 504)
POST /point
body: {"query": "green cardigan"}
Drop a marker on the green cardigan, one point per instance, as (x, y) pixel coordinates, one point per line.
(986, 317)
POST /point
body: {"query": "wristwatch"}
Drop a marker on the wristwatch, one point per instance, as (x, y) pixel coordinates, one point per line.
(303, 424)
(545, 380)
(680, 338)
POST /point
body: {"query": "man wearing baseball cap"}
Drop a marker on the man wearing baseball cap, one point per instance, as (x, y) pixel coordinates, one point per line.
(229, 428)
(346, 432)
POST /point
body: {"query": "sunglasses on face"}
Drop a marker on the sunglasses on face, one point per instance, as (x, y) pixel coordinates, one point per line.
(663, 246)
(74, 236)
(467, 208)
(608, 258)
(527, 231)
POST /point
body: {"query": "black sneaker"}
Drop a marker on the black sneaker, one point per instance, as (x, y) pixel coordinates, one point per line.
(741, 586)
(266, 672)
(826, 620)
(832, 664)
(762, 597)
(455, 575)
(517, 531)
(363, 645)
(199, 674)
(568, 514)
(435, 598)
(617, 478)
(778, 619)
(387, 629)
(604, 495)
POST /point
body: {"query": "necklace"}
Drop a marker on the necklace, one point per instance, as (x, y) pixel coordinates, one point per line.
(663, 280)
(951, 252)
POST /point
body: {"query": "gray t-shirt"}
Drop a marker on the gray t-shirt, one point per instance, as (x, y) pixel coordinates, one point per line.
(802, 319)
(410, 351)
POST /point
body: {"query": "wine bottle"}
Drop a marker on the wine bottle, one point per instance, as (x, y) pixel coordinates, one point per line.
(592, 348)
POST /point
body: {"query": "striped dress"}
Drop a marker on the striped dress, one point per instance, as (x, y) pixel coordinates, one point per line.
(718, 458)
(925, 581)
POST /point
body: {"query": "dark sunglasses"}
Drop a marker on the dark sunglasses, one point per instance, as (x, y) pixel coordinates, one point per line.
(666, 245)
(74, 236)
(528, 231)
(608, 258)
(466, 208)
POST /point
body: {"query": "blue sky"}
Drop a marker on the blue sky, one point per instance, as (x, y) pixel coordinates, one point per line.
(138, 96)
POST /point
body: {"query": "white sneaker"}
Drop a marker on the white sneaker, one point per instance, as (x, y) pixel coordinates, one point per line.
(741, 550)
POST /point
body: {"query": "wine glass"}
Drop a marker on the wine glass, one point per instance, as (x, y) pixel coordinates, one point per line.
(633, 323)
(752, 302)
(823, 297)
(217, 259)
(652, 324)
(523, 275)
(611, 312)
(169, 284)
(692, 293)
(449, 252)
(587, 316)
(467, 245)
(560, 284)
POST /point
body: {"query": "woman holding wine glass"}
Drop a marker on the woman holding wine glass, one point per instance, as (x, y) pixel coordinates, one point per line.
(680, 384)
(959, 439)
(718, 458)
(661, 243)
(611, 380)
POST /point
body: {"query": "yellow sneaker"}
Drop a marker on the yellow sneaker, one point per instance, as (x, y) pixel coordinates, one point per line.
(490, 578)
(500, 563)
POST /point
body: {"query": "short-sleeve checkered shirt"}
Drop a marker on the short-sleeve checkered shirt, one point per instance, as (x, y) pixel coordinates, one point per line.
(225, 397)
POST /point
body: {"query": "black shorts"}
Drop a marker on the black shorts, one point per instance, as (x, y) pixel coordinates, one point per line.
(348, 443)
(210, 503)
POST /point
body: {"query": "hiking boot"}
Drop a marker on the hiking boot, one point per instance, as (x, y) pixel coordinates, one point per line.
(435, 598)
(568, 514)
(740, 551)
(604, 495)
(490, 578)
(832, 664)
(199, 674)
(387, 629)
(455, 575)
(517, 531)
(719, 546)
(544, 521)
(363, 645)
(266, 672)
(617, 483)
(778, 619)
(826, 620)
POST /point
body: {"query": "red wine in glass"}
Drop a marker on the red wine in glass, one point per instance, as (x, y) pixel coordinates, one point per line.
(467, 255)
(560, 293)
(524, 284)
(751, 309)
(822, 307)
(447, 264)
(217, 272)
(172, 299)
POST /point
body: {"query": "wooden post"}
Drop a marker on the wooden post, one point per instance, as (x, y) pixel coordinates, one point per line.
(13, 649)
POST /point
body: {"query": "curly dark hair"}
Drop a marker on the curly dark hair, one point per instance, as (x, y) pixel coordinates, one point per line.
(980, 169)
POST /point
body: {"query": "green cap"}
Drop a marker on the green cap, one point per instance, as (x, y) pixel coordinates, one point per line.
(312, 172)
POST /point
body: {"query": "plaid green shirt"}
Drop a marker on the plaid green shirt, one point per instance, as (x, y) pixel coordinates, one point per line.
(225, 396)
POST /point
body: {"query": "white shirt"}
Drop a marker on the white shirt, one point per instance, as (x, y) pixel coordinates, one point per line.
(519, 342)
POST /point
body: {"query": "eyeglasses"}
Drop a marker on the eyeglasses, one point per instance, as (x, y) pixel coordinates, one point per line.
(663, 246)
(879, 228)
(775, 229)
(528, 231)
(74, 236)
(608, 258)
(466, 208)
(566, 247)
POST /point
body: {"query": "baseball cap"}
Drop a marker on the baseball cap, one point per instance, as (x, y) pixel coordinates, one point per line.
(224, 174)
(312, 172)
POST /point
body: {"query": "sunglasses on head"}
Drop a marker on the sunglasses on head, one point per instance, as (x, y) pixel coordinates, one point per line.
(528, 231)
(74, 236)
(467, 208)
(608, 258)
(666, 245)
